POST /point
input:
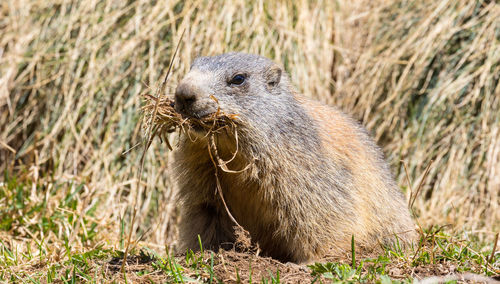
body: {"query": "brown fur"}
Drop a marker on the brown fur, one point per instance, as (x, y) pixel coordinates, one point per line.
(314, 176)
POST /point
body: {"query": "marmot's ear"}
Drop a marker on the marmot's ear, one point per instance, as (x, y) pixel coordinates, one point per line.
(273, 76)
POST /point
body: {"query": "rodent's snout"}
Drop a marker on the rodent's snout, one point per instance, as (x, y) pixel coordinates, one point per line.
(185, 97)
(193, 100)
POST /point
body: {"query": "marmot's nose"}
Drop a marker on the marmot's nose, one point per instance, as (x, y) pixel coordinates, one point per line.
(185, 97)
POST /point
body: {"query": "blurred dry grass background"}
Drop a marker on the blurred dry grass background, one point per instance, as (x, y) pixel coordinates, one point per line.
(423, 76)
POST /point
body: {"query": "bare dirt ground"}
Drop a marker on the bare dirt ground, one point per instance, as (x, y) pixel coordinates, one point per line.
(246, 267)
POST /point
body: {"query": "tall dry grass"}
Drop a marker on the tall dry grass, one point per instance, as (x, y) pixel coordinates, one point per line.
(423, 76)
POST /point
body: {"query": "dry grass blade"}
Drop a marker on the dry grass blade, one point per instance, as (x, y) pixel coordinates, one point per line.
(494, 250)
(408, 180)
(6, 146)
(149, 135)
(213, 147)
(414, 197)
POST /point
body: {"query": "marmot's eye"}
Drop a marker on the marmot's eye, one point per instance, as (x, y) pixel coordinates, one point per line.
(237, 79)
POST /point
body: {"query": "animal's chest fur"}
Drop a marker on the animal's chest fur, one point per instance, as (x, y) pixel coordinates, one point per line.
(254, 193)
(247, 202)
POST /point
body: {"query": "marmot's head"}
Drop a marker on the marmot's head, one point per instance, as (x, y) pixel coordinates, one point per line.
(237, 83)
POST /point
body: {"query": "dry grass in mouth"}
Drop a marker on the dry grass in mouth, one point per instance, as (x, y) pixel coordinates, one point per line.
(167, 119)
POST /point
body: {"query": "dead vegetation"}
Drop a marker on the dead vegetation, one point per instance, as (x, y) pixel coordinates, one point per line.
(423, 76)
(167, 119)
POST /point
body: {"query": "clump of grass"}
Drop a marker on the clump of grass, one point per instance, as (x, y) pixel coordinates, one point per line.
(167, 119)
(438, 256)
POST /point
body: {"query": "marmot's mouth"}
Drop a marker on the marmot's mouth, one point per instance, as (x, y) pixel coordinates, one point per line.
(198, 121)
(200, 115)
(190, 112)
(206, 121)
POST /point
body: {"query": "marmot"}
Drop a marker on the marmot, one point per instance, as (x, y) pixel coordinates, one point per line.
(306, 178)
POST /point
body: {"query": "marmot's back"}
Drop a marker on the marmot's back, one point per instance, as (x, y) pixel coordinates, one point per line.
(379, 202)
(305, 178)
